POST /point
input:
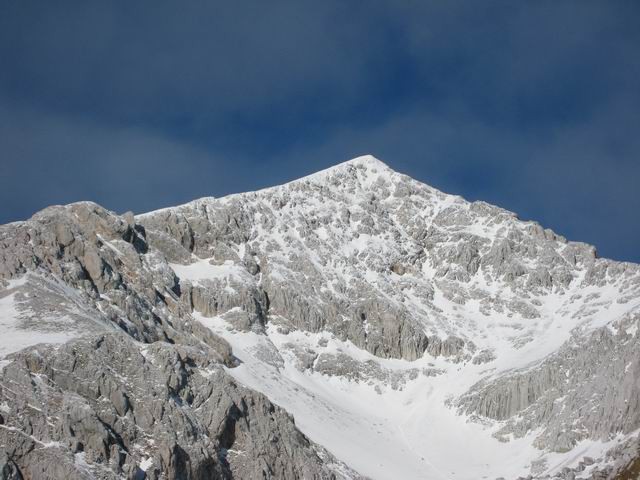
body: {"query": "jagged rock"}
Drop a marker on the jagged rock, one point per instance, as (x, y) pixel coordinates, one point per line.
(596, 377)
(450, 346)
(484, 356)
(118, 403)
(369, 372)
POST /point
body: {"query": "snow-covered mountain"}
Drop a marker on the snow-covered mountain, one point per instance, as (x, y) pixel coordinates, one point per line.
(411, 335)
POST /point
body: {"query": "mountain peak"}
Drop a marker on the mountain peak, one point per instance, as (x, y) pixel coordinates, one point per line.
(368, 162)
(368, 165)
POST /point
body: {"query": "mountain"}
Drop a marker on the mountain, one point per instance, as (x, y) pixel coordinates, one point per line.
(354, 323)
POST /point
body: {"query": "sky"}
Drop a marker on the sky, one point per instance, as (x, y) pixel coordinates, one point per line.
(530, 105)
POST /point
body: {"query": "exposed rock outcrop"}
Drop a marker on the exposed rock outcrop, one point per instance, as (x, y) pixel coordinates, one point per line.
(110, 407)
(590, 388)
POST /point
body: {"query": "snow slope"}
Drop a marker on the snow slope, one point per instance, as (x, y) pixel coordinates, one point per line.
(20, 327)
(387, 433)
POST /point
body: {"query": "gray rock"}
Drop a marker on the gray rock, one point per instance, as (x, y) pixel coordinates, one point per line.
(588, 389)
(114, 403)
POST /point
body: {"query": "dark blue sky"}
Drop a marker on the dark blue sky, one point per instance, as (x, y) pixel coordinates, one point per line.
(530, 105)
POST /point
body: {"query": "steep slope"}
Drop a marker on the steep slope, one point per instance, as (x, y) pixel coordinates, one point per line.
(392, 265)
(140, 391)
(411, 333)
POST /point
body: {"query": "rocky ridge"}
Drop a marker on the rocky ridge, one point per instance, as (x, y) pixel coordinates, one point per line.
(142, 392)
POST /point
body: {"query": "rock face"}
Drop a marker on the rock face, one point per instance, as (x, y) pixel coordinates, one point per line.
(589, 388)
(109, 407)
(149, 397)
(365, 244)
(356, 296)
